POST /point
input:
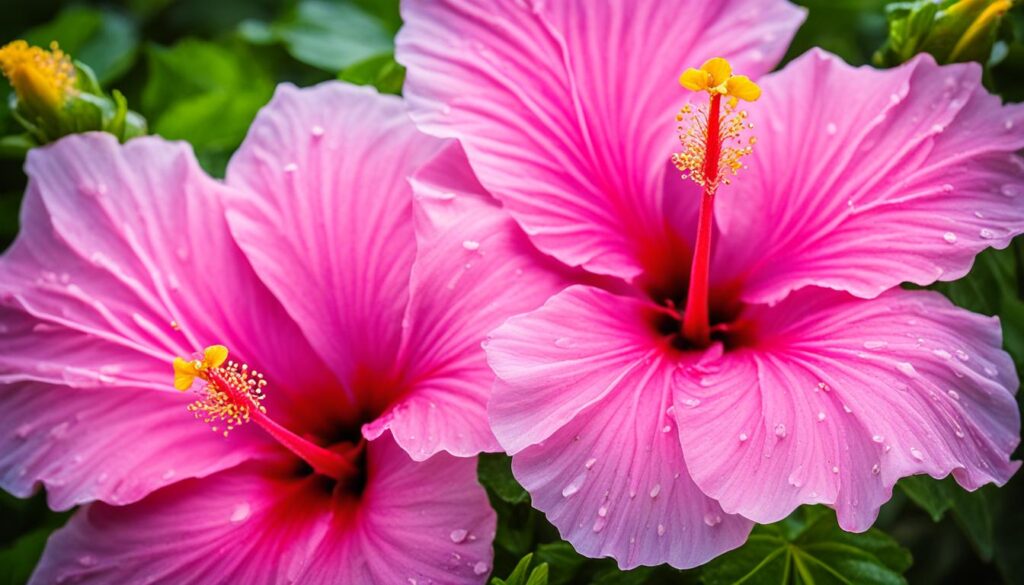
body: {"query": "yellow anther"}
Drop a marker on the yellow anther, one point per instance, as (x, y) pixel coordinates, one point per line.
(231, 391)
(186, 371)
(39, 77)
(715, 76)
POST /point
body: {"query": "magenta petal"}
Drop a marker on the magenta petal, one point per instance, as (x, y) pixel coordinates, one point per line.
(109, 280)
(842, 397)
(868, 189)
(585, 406)
(571, 132)
(474, 269)
(325, 206)
(426, 521)
(115, 446)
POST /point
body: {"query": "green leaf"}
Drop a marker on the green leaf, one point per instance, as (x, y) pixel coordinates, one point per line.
(330, 35)
(952, 31)
(205, 93)
(810, 548)
(972, 510)
(564, 559)
(539, 576)
(106, 40)
(18, 560)
(381, 71)
(852, 29)
(494, 470)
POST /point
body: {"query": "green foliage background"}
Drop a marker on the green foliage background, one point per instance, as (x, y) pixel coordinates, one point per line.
(198, 70)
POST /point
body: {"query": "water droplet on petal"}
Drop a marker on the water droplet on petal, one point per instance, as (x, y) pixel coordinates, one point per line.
(916, 454)
(821, 416)
(573, 487)
(458, 535)
(87, 560)
(942, 354)
(655, 490)
(1010, 190)
(317, 131)
(471, 245)
(168, 474)
(780, 431)
(690, 402)
(876, 344)
(743, 437)
(877, 438)
(835, 469)
(661, 530)
(950, 237)
(831, 128)
(480, 568)
(290, 167)
(953, 394)
(590, 463)
(240, 512)
(712, 519)
(986, 234)
(875, 469)
(906, 368)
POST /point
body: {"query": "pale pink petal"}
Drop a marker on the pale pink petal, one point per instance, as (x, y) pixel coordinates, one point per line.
(264, 526)
(474, 269)
(897, 175)
(324, 213)
(840, 397)
(585, 406)
(124, 262)
(569, 130)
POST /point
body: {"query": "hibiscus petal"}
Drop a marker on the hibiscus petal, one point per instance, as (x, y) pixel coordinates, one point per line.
(253, 525)
(323, 176)
(474, 269)
(118, 243)
(841, 397)
(905, 181)
(570, 132)
(584, 405)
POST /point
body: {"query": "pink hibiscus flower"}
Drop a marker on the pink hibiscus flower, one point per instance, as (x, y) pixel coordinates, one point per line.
(305, 265)
(769, 359)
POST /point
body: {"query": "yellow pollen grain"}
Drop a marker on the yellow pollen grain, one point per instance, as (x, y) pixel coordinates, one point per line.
(716, 78)
(229, 393)
(38, 75)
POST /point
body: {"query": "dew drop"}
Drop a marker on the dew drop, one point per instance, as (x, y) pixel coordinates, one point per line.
(1010, 190)
(480, 568)
(821, 416)
(877, 438)
(471, 245)
(87, 560)
(655, 490)
(875, 469)
(847, 409)
(950, 237)
(743, 437)
(590, 463)
(986, 234)
(599, 523)
(953, 394)
(906, 368)
(942, 354)
(573, 487)
(691, 402)
(317, 131)
(937, 128)
(947, 188)
(168, 474)
(835, 469)
(876, 344)
(666, 428)
(661, 530)
(916, 454)
(831, 128)
(458, 535)
(825, 387)
(780, 431)
(712, 519)
(241, 512)
(290, 167)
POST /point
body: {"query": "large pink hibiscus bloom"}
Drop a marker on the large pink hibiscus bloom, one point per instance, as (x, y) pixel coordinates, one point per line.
(808, 375)
(305, 265)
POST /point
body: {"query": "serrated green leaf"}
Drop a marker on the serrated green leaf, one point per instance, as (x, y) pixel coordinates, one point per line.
(811, 550)
(106, 40)
(494, 470)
